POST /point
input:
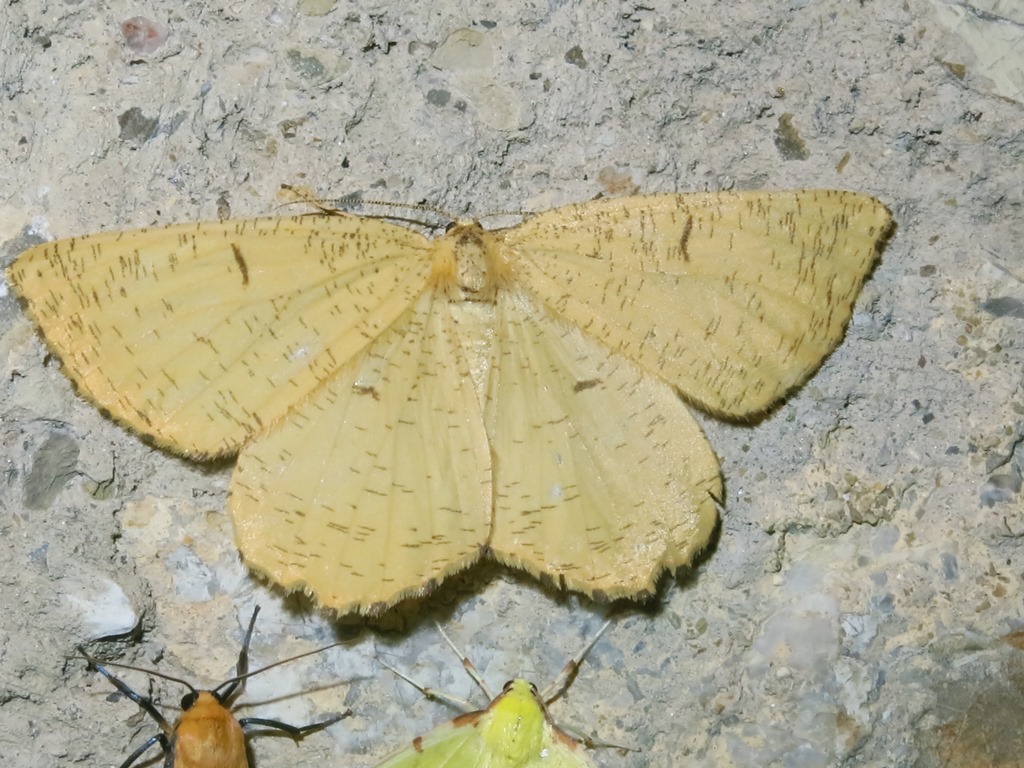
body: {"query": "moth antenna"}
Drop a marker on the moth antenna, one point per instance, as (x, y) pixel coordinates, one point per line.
(335, 205)
(431, 693)
(559, 685)
(494, 214)
(361, 201)
(467, 664)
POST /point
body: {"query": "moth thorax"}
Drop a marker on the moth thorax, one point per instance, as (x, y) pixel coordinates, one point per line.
(468, 263)
(515, 729)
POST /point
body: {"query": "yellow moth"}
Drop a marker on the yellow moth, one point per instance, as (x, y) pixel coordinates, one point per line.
(402, 406)
(513, 731)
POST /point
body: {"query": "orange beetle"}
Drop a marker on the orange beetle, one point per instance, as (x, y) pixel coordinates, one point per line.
(206, 735)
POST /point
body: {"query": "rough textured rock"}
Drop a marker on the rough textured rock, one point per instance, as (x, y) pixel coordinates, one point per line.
(863, 603)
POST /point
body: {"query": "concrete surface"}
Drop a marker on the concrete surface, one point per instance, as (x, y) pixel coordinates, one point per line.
(862, 605)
